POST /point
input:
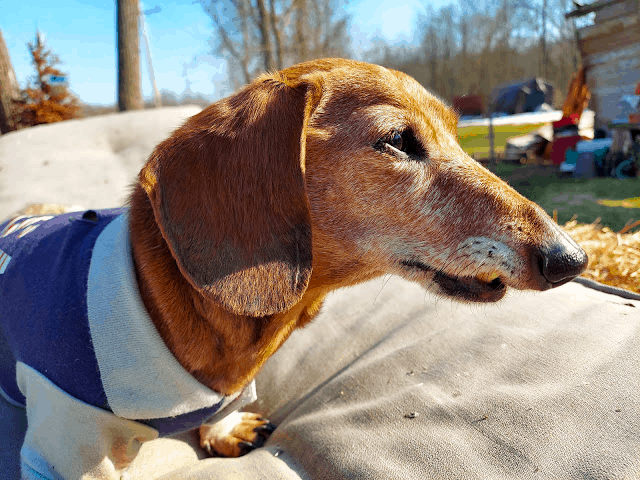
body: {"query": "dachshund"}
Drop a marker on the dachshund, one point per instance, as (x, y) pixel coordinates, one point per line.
(317, 177)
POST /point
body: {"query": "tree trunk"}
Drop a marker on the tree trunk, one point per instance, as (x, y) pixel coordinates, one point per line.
(8, 89)
(464, 68)
(265, 41)
(245, 57)
(301, 46)
(129, 84)
(276, 35)
(543, 41)
(433, 58)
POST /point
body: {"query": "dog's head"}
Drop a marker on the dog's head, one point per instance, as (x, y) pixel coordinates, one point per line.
(332, 172)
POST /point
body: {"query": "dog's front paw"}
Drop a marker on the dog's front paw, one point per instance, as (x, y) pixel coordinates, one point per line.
(235, 435)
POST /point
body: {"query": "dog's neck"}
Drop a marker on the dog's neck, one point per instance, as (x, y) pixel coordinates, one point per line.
(221, 350)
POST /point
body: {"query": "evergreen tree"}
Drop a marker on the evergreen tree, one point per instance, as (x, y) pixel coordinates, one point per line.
(47, 98)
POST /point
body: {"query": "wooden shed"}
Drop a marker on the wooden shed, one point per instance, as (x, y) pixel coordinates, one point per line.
(610, 50)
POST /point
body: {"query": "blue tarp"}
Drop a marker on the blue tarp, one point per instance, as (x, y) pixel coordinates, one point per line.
(521, 97)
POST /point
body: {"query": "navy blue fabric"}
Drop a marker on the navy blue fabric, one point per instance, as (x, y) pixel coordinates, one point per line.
(43, 305)
(8, 387)
(43, 302)
(182, 423)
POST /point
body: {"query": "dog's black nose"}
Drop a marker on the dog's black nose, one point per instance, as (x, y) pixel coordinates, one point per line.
(561, 262)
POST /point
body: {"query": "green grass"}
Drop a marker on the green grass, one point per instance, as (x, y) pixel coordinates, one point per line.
(569, 196)
(566, 195)
(475, 140)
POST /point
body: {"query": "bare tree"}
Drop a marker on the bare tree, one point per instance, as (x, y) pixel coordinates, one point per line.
(431, 43)
(301, 27)
(543, 39)
(235, 38)
(8, 89)
(478, 44)
(277, 34)
(265, 34)
(448, 82)
(129, 83)
(259, 35)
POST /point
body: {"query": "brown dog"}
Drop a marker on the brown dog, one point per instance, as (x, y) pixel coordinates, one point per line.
(323, 175)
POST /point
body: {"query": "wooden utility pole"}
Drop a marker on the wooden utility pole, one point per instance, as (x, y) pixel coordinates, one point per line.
(8, 90)
(129, 83)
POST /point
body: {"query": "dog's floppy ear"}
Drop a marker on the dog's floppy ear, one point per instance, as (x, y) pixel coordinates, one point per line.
(228, 193)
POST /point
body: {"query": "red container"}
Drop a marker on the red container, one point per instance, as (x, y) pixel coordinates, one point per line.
(572, 119)
(565, 136)
(560, 146)
(634, 117)
(468, 105)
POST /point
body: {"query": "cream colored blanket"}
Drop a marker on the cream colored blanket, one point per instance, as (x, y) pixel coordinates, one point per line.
(388, 382)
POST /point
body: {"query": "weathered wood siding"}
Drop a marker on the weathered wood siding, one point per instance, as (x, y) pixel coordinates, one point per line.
(611, 50)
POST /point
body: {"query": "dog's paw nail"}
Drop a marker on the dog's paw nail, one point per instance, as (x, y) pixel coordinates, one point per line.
(267, 428)
(210, 451)
(246, 447)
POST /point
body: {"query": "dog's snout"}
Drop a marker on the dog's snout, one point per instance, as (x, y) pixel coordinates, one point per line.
(561, 262)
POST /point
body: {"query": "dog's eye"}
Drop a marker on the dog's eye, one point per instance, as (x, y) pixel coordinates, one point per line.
(399, 143)
(396, 141)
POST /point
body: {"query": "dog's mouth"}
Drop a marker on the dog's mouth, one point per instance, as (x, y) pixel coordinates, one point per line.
(471, 289)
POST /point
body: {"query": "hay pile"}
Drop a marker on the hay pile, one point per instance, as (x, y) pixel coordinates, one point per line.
(614, 258)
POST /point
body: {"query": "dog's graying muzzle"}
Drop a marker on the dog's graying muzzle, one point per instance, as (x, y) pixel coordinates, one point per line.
(562, 261)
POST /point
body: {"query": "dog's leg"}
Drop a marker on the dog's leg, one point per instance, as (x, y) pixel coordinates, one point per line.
(235, 435)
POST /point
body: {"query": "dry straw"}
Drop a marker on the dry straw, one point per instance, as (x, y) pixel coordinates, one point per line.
(614, 257)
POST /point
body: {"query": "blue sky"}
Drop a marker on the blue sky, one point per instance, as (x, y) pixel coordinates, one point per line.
(82, 34)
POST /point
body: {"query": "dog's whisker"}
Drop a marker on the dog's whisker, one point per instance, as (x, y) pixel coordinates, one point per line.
(385, 280)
